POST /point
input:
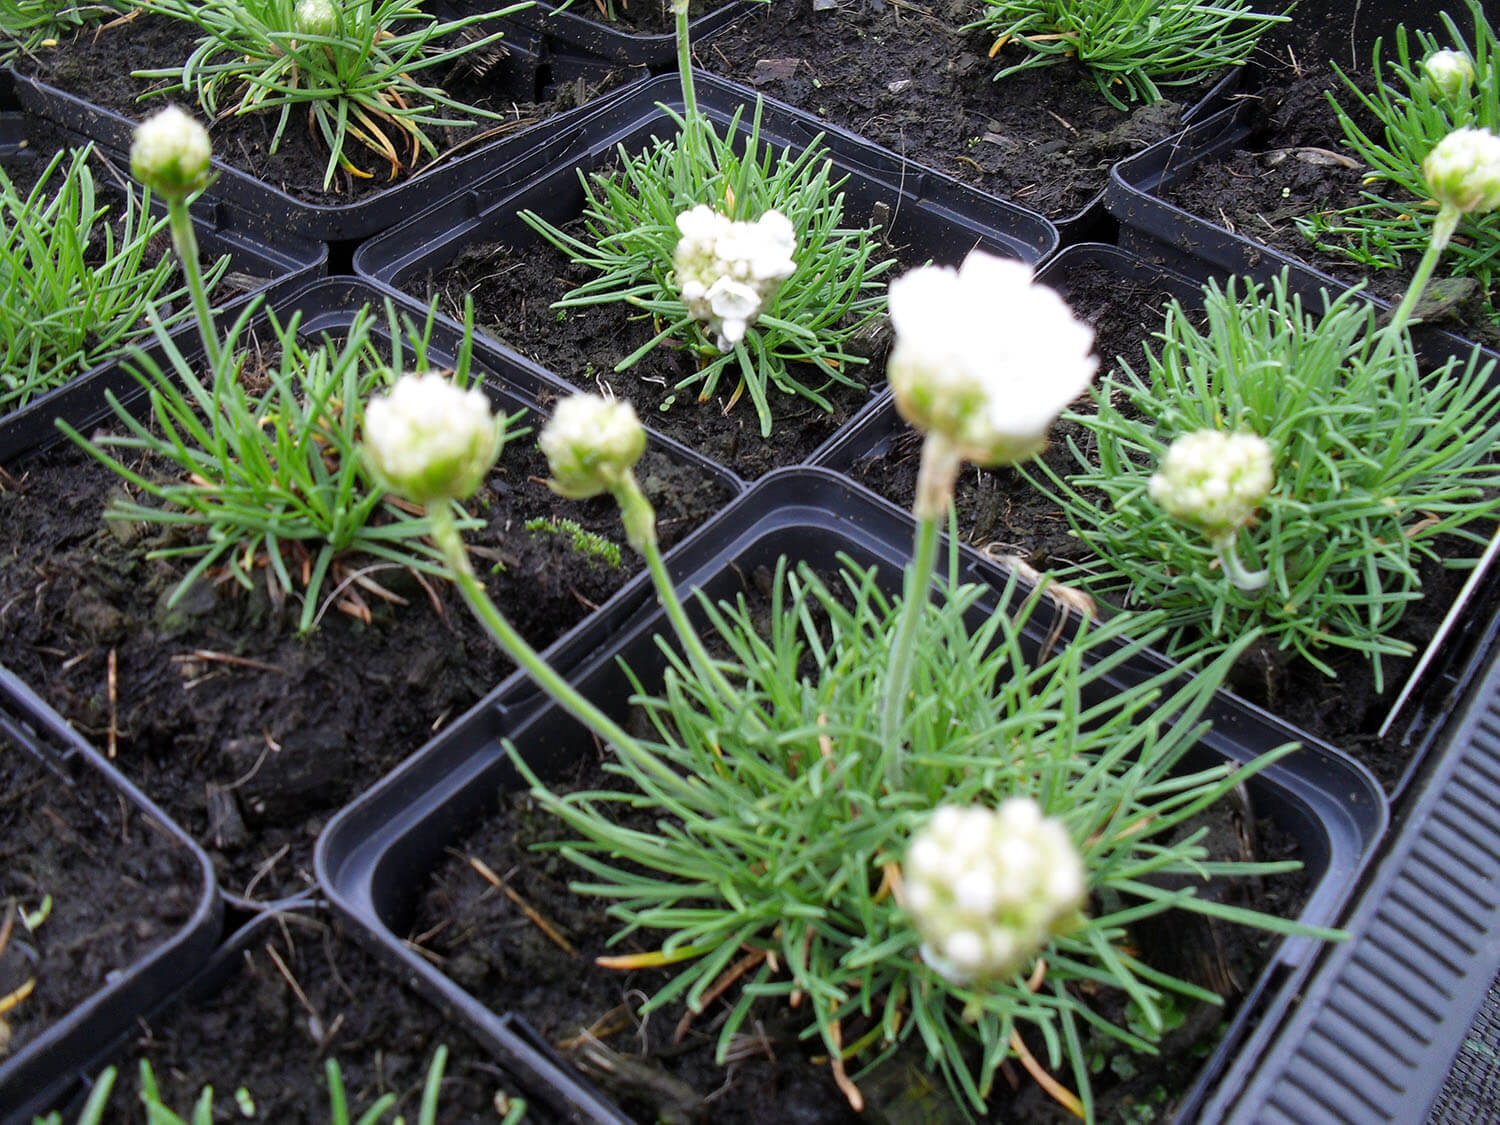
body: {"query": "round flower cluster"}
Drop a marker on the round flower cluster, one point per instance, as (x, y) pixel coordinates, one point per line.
(1463, 170)
(1450, 72)
(984, 357)
(1214, 480)
(316, 17)
(431, 440)
(170, 154)
(591, 443)
(988, 887)
(729, 271)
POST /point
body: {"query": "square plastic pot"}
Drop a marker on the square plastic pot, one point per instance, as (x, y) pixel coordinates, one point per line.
(237, 200)
(373, 860)
(34, 1076)
(1157, 230)
(932, 217)
(273, 262)
(199, 996)
(569, 40)
(1421, 714)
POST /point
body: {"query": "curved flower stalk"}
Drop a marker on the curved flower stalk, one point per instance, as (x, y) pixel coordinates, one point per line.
(349, 66)
(739, 253)
(1423, 93)
(1126, 45)
(983, 363)
(787, 834)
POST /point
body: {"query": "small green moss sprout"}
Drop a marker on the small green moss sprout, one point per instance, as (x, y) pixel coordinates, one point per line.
(589, 544)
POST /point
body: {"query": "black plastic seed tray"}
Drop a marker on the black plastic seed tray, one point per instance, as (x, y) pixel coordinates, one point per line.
(32, 1078)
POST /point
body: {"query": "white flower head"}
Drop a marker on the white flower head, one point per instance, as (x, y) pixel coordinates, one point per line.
(171, 153)
(1463, 170)
(985, 357)
(1449, 72)
(729, 271)
(316, 17)
(591, 443)
(987, 888)
(431, 440)
(1214, 480)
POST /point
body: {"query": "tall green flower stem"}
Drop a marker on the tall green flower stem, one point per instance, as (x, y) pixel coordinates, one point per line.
(640, 531)
(445, 534)
(1234, 570)
(685, 63)
(185, 242)
(936, 476)
(1443, 226)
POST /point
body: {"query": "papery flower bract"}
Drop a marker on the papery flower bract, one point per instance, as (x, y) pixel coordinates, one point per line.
(1463, 170)
(171, 153)
(1449, 71)
(985, 357)
(431, 440)
(316, 17)
(1214, 480)
(987, 888)
(729, 271)
(591, 443)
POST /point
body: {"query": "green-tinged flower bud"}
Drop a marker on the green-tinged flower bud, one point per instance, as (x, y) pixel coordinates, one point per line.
(316, 17)
(1214, 480)
(987, 888)
(591, 444)
(430, 440)
(1449, 72)
(1463, 170)
(171, 154)
(984, 357)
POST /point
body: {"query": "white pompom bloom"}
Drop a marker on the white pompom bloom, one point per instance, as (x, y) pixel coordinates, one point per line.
(1214, 480)
(591, 443)
(729, 271)
(1450, 72)
(987, 888)
(985, 357)
(171, 153)
(1463, 170)
(431, 440)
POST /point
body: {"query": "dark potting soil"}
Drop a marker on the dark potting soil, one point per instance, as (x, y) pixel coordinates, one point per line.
(1003, 515)
(907, 78)
(249, 736)
(97, 66)
(513, 291)
(634, 17)
(662, 1068)
(301, 993)
(119, 886)
(1295, 163)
